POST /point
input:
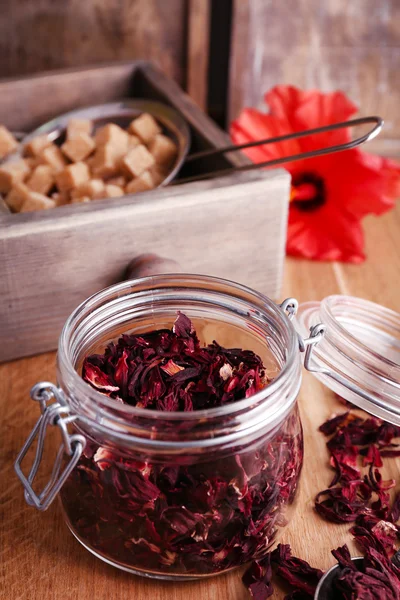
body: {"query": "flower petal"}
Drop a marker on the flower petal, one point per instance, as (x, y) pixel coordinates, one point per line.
(325, 235)
(311, 109)
(253, 125)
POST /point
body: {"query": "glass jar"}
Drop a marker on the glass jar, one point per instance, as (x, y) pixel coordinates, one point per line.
(175, 495)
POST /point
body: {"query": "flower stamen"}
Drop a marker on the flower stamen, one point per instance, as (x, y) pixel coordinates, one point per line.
(307, 192)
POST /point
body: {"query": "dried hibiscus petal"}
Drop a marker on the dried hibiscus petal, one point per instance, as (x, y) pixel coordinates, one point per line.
(376, 578)
(373, 578)
(296, 572)
(381, 535)
(394, 514)
(332, 425)
(257, 579)
(169, 370)
(98, 379)
(352, 497)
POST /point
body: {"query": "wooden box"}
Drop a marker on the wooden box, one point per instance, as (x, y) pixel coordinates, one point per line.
(50, 261)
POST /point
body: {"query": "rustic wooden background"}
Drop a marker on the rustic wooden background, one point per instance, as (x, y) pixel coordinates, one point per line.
(37, 35)
(354, 46)
(335, 44)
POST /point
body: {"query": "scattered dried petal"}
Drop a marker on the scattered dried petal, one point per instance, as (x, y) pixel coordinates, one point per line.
(257, 579)
(295, 571)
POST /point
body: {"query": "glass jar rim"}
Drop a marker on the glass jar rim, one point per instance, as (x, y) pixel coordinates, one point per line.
(183, 281)
(377, 314)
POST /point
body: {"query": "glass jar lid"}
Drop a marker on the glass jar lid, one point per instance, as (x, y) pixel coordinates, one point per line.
(359, 355)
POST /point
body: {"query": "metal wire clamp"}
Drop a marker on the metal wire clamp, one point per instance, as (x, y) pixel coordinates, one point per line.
(56, 414)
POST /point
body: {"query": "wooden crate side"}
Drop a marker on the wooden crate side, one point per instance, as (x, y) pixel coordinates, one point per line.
(233, 227)
(31, 101)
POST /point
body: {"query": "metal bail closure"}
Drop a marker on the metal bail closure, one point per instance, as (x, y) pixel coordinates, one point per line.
(290, 307)
(57, 414)
(307, 345)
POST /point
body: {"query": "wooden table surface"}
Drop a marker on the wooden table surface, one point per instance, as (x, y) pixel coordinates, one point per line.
(41, 559)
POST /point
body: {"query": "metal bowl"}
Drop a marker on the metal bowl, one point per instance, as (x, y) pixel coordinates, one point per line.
(121, 113)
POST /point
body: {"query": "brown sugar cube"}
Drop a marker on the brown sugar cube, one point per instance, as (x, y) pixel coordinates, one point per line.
(105, 162)
(42, 179)
(137, 160)
(112, 134)
(133, 142)
(120, 181)
(72, 176)
(31, 162)
(76, 126)
(36, 201)
(8, 143)
(94, 188)
(145, 127)
(37, 145)
(78, 147)
(140, 184)
(158, 174)
(11, 173)
(113, 191)
(80, 200)
(53, 156)
(60, 198)
(89, 161)
(17, 196)
(163, 149)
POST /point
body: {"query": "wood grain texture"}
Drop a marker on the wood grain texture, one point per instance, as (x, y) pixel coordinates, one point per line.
(26, 103)
(332, 45)
(41, 560)
(198, 50)
(37, 35)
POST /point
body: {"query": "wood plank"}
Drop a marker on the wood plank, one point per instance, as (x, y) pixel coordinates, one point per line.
(239, 69)
(21, 100)
(337, 45)
(198, 51)
(38, 35)
(41, 555)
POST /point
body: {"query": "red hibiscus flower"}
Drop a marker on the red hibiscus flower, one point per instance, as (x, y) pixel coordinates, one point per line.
(332, 193)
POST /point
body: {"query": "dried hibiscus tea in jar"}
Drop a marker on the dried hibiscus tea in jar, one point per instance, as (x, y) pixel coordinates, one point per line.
(187, 506)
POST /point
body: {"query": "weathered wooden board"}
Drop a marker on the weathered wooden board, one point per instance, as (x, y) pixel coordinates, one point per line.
(198, 50)
(50, 261)
(352, 46)
(37, 35)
